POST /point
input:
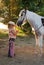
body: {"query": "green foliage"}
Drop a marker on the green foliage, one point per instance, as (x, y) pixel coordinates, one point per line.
(6, 2)
(12, 8)
(27, 28)
(33, 5)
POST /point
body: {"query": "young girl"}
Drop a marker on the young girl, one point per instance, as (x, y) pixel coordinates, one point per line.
(12, 37)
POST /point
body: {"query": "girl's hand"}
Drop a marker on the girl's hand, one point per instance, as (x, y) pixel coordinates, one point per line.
(17, 31)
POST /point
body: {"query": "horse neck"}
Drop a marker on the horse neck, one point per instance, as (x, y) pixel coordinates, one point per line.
(30, 15)
(33, 19)
(29, 18)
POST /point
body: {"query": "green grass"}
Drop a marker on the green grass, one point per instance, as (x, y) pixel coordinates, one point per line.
(2, 35)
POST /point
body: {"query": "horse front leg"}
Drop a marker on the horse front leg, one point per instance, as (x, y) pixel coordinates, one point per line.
(39, 43)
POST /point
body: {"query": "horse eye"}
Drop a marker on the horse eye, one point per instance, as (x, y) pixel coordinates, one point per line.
(21, 14)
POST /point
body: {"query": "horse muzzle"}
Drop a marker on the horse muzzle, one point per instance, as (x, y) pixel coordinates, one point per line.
(19, 23)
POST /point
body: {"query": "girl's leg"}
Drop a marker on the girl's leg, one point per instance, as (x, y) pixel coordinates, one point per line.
(11, 49)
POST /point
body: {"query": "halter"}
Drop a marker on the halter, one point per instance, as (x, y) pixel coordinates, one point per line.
(25, 14)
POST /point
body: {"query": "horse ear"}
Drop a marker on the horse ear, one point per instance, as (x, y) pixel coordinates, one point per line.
(25, 10)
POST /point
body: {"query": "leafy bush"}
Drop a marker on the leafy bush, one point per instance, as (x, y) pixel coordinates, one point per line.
(26, 28)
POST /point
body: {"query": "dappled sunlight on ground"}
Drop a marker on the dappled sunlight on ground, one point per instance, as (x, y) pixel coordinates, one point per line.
(24, 49)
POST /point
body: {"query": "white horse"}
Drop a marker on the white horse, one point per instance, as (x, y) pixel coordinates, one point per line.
(35, 21)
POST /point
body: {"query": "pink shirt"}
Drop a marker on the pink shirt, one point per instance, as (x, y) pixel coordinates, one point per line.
(12, 33)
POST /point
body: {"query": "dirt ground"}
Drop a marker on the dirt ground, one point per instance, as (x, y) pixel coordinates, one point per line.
(24, 49)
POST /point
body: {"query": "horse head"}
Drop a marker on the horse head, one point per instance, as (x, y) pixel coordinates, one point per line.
(22, 17)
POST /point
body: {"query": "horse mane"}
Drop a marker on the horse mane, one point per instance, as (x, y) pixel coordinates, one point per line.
(36, 14)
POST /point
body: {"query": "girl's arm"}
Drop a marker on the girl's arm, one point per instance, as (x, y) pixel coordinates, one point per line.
(14, 32)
